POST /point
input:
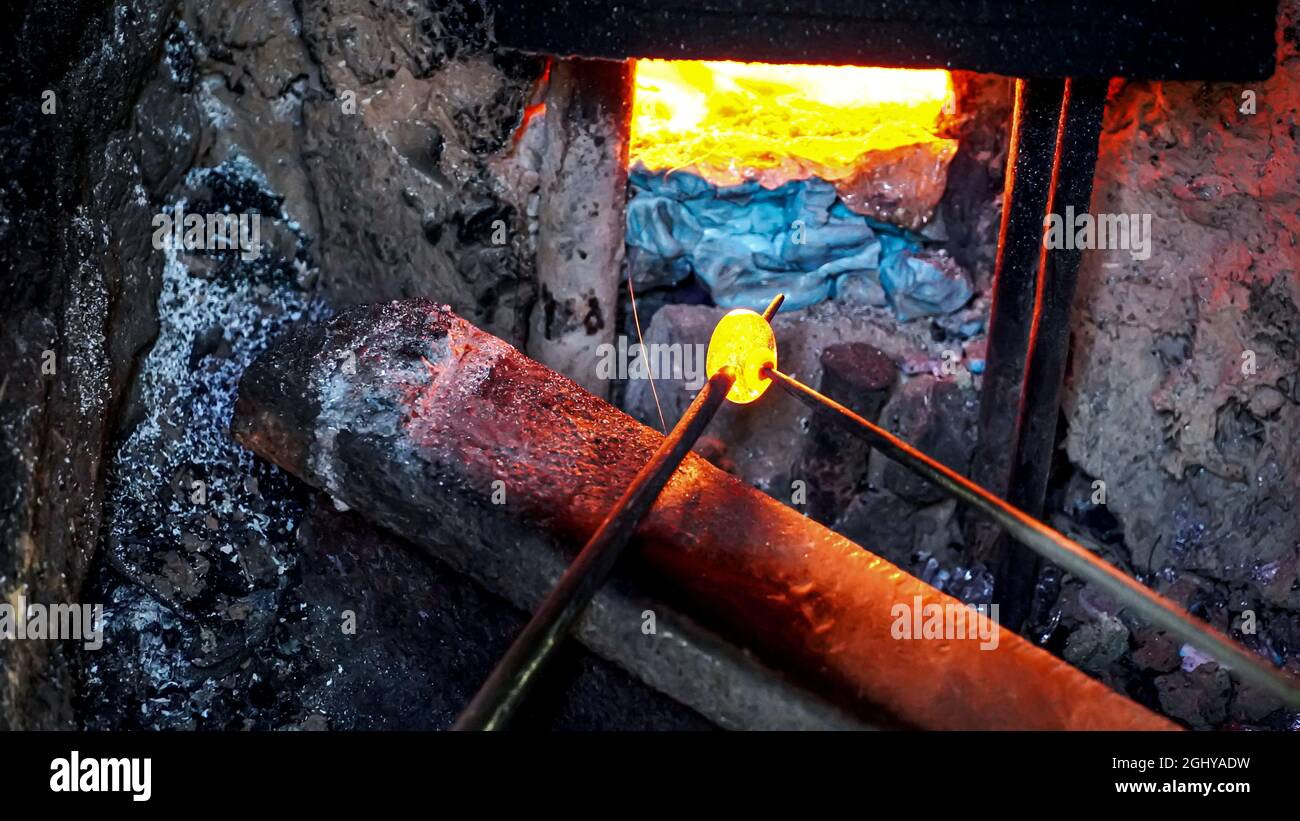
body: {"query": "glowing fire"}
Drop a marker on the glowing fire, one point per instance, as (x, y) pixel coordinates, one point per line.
(735, 121)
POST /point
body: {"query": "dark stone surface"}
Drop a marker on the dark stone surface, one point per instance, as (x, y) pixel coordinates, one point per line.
(73, 279)
(425, 637)
(834, 462)
(1199, 456)
(937, 417)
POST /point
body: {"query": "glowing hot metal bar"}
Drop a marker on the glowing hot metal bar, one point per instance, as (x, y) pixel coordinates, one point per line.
(505, 689)
(1056, 547)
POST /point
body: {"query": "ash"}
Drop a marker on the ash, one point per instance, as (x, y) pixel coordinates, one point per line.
(199, 556)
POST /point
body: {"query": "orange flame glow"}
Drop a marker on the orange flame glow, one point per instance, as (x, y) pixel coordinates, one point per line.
(735, 121)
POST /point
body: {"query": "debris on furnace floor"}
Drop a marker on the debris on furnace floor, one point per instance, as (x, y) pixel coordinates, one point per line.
(746, 243)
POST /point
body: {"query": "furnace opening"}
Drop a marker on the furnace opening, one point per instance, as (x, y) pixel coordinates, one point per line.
(732, 122)
(748, 179)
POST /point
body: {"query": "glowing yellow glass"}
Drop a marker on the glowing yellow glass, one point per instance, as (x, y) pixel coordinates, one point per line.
(744, 342)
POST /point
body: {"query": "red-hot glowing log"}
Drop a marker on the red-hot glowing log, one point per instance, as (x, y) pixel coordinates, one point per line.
(420, 421)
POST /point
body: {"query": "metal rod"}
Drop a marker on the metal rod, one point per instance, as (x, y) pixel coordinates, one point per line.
(773, 307)
(1012, 328)
(1038, 401)
(1058, 548)
(503, 692)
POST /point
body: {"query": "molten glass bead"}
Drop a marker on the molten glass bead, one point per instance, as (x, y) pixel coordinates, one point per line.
(744, 342)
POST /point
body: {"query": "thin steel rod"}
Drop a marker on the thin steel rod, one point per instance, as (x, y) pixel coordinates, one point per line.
(505, 689)
(773, 307)
(1058, 548)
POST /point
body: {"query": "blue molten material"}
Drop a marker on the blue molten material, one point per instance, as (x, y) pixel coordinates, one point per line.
(746, 243)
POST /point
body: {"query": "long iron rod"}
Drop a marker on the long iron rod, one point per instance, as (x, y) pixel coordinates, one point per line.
(1058, 548)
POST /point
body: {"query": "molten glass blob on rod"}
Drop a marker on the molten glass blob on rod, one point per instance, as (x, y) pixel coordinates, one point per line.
(1056, 547)
(500, 696)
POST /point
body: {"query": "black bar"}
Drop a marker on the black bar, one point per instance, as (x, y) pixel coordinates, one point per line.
(1026, 197)
(1140, 39)
(299, 773)
(1016, 569)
